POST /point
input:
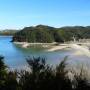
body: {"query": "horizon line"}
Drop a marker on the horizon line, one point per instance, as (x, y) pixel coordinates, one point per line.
(17, 28)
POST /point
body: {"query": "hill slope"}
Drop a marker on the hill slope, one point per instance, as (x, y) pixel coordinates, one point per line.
(47, 34)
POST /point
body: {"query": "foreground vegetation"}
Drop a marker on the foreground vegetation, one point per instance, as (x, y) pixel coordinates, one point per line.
(47, 34)
(41, 77)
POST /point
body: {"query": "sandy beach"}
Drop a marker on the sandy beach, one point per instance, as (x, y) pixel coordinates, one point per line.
(26, 44)
(49, 46)
(58, 47)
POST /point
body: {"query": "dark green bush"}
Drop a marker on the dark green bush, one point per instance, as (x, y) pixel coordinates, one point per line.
(41, 77)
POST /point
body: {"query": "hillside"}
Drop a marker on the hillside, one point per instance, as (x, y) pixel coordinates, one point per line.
(8, 32)
(47, 34)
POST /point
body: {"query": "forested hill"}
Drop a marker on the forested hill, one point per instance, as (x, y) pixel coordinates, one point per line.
(47, 34)
(8, 32)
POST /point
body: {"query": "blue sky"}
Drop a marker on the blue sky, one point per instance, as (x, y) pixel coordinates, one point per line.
(20, 13)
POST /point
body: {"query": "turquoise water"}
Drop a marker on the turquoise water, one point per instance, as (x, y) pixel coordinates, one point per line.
(15, 56)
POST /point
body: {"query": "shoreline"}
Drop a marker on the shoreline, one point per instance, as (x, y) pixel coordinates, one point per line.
(49, 46)
(58, 47)
(26, 44)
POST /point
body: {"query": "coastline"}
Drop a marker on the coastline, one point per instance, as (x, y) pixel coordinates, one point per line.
(58, 47)
(49, 46)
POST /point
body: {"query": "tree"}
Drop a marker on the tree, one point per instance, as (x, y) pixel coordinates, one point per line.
(3, 73)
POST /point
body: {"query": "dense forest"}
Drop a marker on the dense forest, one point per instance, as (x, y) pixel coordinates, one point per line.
(47, 34)
(43, 77)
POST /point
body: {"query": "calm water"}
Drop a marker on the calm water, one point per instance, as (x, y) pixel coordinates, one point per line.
(15, 56)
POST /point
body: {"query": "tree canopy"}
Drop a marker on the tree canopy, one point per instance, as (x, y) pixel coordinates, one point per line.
(47, 34)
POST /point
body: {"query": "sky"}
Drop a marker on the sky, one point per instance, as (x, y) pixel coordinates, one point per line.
(16, 14)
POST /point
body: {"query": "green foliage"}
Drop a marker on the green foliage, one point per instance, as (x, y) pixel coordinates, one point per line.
(11, 81)
(2, 65)
(47, 34)
(3, 73)
(34, 34)
(41, 77)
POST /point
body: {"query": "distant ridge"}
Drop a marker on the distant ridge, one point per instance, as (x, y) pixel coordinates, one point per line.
(8, 32)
